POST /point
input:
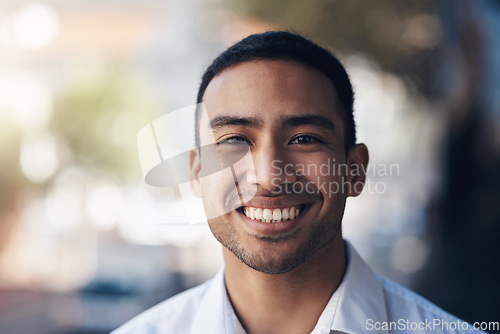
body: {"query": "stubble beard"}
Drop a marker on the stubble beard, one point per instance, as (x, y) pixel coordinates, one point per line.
(322, 235)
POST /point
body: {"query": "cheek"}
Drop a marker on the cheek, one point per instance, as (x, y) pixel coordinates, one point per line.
(218, 189)
(319, 167)
(325, 174)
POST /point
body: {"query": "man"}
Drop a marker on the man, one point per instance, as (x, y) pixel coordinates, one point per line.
(287, 104)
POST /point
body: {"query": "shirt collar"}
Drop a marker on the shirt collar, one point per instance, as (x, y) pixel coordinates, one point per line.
(358, 298)
(209, 316)
(215, 313)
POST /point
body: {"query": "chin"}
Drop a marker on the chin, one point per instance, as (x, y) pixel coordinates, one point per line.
(274, 258)
(271, 266)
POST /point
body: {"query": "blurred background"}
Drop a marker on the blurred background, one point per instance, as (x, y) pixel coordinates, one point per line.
(81, 248)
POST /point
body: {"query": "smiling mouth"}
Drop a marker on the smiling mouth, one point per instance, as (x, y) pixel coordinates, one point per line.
(269, 215)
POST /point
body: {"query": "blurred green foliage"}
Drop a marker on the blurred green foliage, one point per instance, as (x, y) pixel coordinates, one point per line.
(99, 116)
(95, 121)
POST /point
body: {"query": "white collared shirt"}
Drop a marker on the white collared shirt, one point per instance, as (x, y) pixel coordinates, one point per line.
(363, 303)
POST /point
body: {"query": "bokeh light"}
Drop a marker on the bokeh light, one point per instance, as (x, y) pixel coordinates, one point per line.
(34, 26)
(39, 157)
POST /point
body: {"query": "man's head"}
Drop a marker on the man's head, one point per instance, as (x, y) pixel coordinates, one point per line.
(287, 106)
(283, 45)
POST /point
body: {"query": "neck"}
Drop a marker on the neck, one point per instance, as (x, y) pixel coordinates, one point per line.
(284, 303)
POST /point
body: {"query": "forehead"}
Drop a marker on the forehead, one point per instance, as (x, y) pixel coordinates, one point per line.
(271, 89)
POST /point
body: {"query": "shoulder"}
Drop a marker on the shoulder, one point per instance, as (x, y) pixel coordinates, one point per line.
(399, 299)
(407, 309)
(173, 315)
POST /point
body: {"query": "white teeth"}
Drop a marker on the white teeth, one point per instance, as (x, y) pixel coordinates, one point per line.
(277, 214)
(251, 213)
(267, 214)
(271, 215)
(258, 213)
(284, 214)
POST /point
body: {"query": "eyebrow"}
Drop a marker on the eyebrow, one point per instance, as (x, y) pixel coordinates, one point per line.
(220, 121)
(316, 120)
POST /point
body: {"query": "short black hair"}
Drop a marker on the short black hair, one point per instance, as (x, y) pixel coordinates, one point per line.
(284, 45)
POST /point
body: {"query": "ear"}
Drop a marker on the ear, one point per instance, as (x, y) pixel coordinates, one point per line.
(357, 161)
(195, 171)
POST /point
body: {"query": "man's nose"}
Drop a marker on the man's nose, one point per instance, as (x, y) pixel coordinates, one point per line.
(272, 168)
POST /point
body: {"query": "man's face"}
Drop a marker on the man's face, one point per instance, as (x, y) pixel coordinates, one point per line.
(278, 211)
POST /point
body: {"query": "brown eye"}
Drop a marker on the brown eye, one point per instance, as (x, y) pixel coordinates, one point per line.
(304, 140)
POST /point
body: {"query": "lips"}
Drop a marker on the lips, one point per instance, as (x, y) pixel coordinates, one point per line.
(272, 215)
